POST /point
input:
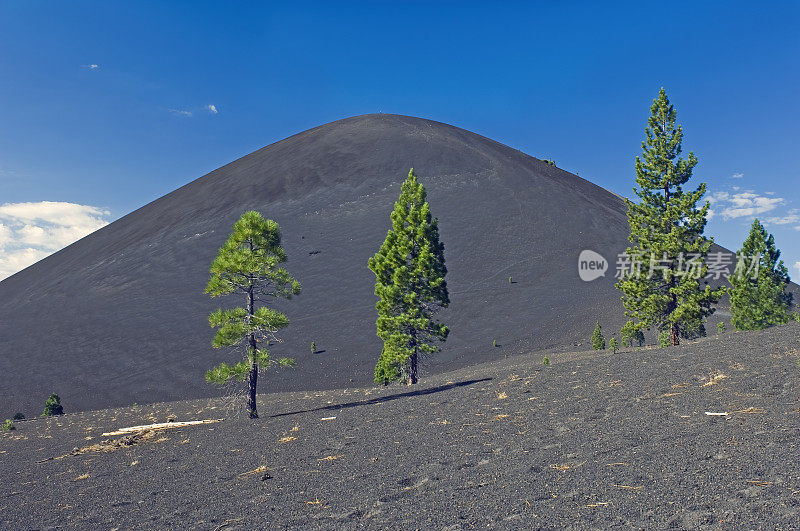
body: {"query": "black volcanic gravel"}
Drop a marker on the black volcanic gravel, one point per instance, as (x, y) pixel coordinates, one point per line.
(594, 440)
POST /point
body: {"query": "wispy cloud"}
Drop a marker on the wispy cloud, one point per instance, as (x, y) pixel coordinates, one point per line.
(737, 175)
(179, 112)
(31, 231)
(92, 66)
(191, 112)
(743, 204)
(792, 217)
(797, 266)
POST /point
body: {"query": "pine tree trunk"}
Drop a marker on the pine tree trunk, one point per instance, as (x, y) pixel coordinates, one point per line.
(413, 375)
(412, 372)
(675, 338)
(252, 379)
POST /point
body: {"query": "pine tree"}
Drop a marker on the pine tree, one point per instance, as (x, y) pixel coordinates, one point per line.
(663, 288)
(598, 341)
(613, 345)
(410, 283)
(247, 264)
(757, 303)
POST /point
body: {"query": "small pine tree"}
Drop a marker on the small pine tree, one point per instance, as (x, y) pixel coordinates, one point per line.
(598, 341)
(313, 347)
(761, 302)
(631, 337)
(8, 425)
(53, 406)
(545, 361)
(410, 283)
(664, 338)
(721, 327)
(667, 226)
(247, 264)
(613, 345)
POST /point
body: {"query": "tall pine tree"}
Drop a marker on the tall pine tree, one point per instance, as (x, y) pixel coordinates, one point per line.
(757, 303)
(409, 281)
(248, 264)
(667, 236)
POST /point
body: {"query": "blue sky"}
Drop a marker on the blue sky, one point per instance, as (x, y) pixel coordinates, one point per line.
(105, 106)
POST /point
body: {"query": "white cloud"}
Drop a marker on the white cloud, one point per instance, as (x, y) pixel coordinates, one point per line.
(212, 109)
(737, 175)
(31, 231)
(797, 266)
(92, 66)
(792, 217)
(743, 204)
(180, 112)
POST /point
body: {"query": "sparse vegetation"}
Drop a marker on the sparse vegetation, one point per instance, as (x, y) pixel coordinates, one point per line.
(631, 337)
(761, 302)
(545, 361)
(598, 341)
(8, 425)
(721, 327)
(313, 347)
(494, 342)
(410, 283)
(53, 406)
(18, 416)
(664, 338)
(548, 161)
(247, 264)
(666, 228)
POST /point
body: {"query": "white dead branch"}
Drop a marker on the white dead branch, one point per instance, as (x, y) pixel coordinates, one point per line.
(159, 426)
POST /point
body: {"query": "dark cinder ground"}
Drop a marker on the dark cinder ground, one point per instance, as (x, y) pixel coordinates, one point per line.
(592, 441)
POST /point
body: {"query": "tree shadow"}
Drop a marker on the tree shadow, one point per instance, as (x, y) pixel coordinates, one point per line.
(388, 398)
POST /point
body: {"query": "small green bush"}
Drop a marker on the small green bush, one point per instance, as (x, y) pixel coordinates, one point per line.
(313, 347)
(664, 338)
(494, 342)
(796, 316)
(613, 345)
(721, 328)
(8, 425)
(53, 406)
(550, 162)
(545, 361)
(598, 341)
(18, 416)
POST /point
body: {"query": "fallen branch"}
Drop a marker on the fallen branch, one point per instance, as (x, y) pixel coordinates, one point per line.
(159, 426)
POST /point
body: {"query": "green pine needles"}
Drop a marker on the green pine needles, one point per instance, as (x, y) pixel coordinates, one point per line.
(598, 341)
(248, 264)
(409, 281)
(662, 287)
(761, 302)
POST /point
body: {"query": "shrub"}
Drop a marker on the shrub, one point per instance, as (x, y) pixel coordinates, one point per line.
(313, 347)
(8, 425)
(494, 342)
(613, 345)
(19, 416)
(53, 406)
(545, 361)
(721, 327)
(598, 341)
(664, 338)
(796, 316)
(550, 162)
